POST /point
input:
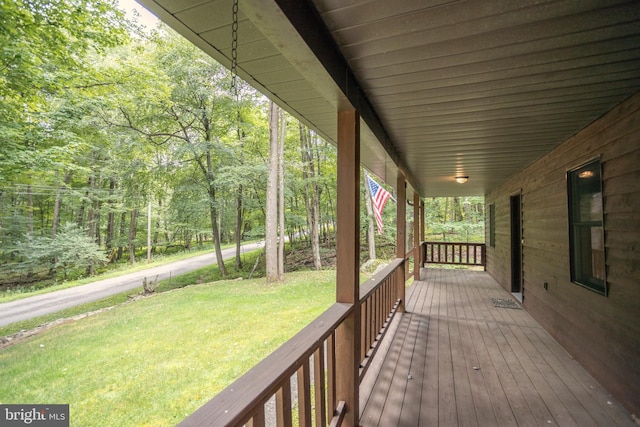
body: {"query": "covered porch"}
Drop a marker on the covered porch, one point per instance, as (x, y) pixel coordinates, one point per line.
(463, 353)
(455, 358)
(422, 94)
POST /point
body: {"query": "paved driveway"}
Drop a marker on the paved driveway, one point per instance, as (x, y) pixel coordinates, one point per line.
(51, 302)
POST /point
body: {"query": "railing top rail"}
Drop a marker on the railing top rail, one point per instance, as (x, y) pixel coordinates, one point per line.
(454, 243)
(229, 407)
(370, 285)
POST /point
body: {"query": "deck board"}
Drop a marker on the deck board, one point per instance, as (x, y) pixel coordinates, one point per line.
(457, 360)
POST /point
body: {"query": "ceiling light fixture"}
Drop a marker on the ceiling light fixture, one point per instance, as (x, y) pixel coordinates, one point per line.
(462, 179)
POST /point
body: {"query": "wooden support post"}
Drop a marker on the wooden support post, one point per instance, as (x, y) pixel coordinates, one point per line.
(401, 231)
(416, 236)
(422, 225)
(422, 236)
(347, 264)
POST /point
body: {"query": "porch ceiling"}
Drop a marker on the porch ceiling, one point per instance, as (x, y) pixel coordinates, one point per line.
(445, 88)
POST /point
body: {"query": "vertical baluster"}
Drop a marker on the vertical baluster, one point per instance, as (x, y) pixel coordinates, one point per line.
(304, 395)
(370, 315)
(377, 317)
(258, 418)
(363, 327)
(319, 387)
(283, 405)
(373, 318)
(385, 295)
(331, 375)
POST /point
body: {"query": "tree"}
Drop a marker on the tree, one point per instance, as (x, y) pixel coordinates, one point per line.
(271, 224)
(191, 122)
(455, 218)
(311, 191)
(282, 123)
(70, 248)
(48, 64)
(45, 53)
(96, 125)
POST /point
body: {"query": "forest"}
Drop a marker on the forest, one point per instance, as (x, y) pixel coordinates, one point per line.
(119, 142)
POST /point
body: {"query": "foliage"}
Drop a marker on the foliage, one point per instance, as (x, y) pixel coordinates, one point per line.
(455, 219)
(99, 121)
(71, 248)
(46, 53)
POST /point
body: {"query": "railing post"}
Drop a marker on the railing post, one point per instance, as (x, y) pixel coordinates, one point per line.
(347, 265)
(401, 242)
(416, 236)
(422, 236)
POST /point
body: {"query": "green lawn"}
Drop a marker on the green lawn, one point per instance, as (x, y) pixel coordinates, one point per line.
(153, 362)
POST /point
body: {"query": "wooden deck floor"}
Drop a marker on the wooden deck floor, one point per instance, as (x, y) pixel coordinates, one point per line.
(456, 360)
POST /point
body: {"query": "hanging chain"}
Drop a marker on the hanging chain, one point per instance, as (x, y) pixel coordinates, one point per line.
(234, 52)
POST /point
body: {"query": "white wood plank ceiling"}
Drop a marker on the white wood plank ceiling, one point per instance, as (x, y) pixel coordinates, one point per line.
(471, 87)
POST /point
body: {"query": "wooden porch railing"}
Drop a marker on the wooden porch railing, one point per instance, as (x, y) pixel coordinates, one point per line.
(310, 357)
(454, 253)
(378, 305)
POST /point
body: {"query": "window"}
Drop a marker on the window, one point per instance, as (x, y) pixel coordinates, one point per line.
(586, 228)
(492, 225)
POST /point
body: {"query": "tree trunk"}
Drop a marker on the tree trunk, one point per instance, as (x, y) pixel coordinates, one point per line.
(156, 233)
(132, 236)
(123, 231)
(91, 219)
(56, 206)
(81, 211)
(312, 196)
(92, 209)
(239, 208)
(214, 229)
(239, 224)
(96, 216)
(29, 210)
(283, 128)
(111, 217)
(457, 210)
(330, 223)
(271, 242)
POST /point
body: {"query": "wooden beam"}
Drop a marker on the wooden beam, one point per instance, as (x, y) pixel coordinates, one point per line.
(401, 232)
(304, 17)
(347, 264)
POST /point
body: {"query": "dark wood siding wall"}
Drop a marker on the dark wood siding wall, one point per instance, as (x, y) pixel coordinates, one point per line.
(601, 332)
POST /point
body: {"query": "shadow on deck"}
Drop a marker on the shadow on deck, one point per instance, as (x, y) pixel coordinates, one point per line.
(456, 359)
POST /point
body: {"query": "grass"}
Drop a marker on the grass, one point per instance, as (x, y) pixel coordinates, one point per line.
(203, 275)
(118, 270)
(154, 362)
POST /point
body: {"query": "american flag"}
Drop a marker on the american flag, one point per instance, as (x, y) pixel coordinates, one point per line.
(379, 197)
